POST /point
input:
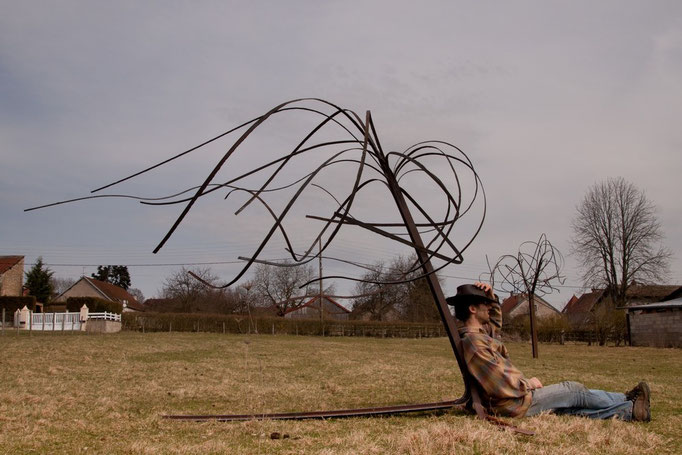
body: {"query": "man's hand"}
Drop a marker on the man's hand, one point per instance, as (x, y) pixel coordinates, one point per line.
(485, 287)
(535, 383)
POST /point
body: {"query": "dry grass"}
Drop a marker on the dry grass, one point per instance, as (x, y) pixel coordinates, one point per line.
(67, 393)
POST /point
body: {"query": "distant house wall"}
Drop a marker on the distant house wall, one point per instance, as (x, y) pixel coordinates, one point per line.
(578, 319)
(659, 328)
(312, 311)
(389, 316)
(542, 310)
(304, 313)
(12, 281)
(80, 289)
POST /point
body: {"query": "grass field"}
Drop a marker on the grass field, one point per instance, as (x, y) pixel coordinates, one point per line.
(76, 393)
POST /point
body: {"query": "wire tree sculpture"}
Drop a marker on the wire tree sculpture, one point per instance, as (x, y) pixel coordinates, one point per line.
(533, 271)
(434, 186)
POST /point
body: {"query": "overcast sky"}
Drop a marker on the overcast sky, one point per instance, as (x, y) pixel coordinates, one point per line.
(546, 98)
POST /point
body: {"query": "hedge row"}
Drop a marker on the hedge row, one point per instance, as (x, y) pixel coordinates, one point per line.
(55, 308)
(561, 334)
(94, 304)
(14, 303)
(241, 324)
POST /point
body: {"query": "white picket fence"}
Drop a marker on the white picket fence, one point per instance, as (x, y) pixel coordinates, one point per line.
(106, 316)
(55, 321)
(25, 319)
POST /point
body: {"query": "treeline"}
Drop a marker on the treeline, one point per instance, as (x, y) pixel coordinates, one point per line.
(275, 291)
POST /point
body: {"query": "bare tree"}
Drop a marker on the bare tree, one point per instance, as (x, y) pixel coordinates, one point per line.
(618, 238)
(137, 293)
(411, 300)
(376, 297)
(188, 295)
(280, 287)
(415, 301)
(532, 271)
(60, 285)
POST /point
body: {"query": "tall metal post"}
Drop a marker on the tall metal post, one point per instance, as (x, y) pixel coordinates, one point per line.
(533, 324)
(434, 285)
(321, 287)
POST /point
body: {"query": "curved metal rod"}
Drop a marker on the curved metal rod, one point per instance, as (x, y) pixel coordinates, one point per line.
(371, 160)
(179, 155)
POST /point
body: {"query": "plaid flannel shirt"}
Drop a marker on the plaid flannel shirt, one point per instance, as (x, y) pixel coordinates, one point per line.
(506, 391)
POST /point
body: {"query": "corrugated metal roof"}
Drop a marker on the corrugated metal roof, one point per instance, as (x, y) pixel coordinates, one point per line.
(669, 304)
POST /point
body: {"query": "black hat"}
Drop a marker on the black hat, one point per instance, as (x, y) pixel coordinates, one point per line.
(469, 294)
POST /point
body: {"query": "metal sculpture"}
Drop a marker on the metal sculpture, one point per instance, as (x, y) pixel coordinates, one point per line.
(532, 271)
(339, 137)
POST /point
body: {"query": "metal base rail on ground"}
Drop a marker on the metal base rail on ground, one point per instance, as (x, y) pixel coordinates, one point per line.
(442, 406)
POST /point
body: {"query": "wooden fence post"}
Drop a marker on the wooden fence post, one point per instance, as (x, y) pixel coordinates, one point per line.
(223, 327)
(3, 320)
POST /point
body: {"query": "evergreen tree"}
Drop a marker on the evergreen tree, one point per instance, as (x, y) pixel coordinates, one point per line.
(38, 281)
(114, 274)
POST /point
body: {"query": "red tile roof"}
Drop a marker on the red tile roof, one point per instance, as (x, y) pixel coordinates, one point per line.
(7, 262)
(511, 302)
(654, 292)
(310, 303)
(115, 293)
(674, 295)
(584, 304)
(571, 301)
(515, 300)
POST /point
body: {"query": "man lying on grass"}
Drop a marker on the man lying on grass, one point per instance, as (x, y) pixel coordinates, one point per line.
(506, 391)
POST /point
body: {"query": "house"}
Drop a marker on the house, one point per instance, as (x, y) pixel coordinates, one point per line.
(570, 302)
(517, 304)
(642, 294)
(389, 315)
(657, 324)
(90, 287)
(11, 275)
(331, 309)
(579, 311)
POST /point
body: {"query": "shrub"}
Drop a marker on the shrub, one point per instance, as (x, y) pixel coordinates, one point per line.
(14, 303)
(551, 328)
(94, 304)
(55, 308)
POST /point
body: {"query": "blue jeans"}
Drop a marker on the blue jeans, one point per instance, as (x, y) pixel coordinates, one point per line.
(573, 398)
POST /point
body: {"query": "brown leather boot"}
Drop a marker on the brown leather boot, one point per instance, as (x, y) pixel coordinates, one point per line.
(641, 407)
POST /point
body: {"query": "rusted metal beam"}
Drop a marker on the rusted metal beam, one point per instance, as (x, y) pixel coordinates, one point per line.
(339, 413)
(432, 280)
